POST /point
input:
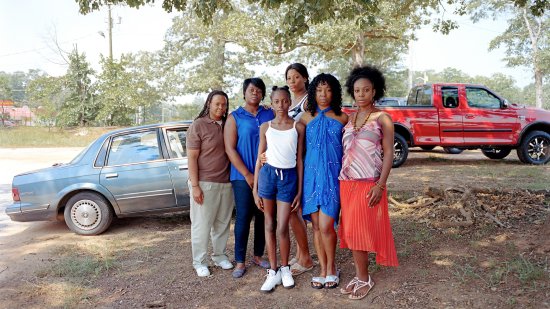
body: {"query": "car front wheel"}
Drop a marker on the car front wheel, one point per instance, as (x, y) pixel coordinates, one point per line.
(88, 213)
(535, 148)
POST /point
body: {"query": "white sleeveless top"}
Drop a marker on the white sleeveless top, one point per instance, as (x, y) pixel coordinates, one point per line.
(281, 147)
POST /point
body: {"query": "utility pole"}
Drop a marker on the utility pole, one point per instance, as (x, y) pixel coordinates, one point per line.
(110, 35)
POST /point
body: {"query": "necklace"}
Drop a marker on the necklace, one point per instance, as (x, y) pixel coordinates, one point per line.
(357, 128)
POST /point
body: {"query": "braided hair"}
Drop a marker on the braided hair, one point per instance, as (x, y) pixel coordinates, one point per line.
(206, 108)
(335, 87)
(277, 88)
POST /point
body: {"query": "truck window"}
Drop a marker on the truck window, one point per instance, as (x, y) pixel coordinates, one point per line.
(449, 97)
(420, 96)
(426, 99)
(481, 98)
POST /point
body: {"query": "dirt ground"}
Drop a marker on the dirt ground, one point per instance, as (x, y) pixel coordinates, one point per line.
(146, 262)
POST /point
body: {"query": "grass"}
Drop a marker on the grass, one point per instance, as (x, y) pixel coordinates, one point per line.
(49, 137)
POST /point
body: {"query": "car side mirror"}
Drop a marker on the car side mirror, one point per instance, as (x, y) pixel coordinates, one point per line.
(505, 103)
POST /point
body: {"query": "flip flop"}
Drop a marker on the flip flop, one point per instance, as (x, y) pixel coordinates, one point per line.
(332, 279)
(318, 282)
(263, 264)
(361, 284)
(298, 269)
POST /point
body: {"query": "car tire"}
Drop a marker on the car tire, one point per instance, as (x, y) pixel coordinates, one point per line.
(452, 150)
(496, 153)
(88, 213)
(427, 148)
(535, 148)
(400, 150)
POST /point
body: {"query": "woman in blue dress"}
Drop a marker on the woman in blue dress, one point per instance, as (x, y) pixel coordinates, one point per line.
(324, 121)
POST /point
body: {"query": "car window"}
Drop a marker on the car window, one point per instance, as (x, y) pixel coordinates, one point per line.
(481, 98)
(449, 97)
(426, 96)
(176, 142)
(134, 148)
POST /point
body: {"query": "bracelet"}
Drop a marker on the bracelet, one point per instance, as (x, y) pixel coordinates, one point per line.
(382, 187)
(194, 186)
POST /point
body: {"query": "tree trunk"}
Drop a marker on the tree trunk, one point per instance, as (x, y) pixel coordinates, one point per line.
(358, 51)
(538, 86)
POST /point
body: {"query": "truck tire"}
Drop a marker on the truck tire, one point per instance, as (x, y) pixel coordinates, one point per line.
(452, 150)
(400, 150)
(535, 148)
(427, 148)
(496, 153)
(88, 213)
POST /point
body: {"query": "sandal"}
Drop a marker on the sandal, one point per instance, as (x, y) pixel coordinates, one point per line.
(361, 284)
(318, 282)
(293, 261)
(262, 263)
(298, 269)
(350, 285)
(333, 279)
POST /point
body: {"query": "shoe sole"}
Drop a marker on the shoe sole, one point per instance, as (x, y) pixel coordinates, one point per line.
(289, 287)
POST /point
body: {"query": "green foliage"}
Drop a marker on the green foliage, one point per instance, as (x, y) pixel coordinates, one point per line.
(123, 91)
(79, 108)
(48, 94)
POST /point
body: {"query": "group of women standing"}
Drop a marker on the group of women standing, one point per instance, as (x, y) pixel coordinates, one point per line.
(315, 163)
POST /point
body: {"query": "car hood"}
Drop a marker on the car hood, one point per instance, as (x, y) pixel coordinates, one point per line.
(532, 113)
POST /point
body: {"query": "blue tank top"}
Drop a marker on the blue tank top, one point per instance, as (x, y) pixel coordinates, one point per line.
(248, 137)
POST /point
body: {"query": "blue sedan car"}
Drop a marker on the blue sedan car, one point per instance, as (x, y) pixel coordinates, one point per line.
(127, 172)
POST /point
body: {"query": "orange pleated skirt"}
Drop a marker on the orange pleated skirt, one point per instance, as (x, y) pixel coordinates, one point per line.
(363, 228)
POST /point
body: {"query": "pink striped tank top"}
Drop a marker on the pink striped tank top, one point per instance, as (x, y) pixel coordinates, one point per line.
(362, 158)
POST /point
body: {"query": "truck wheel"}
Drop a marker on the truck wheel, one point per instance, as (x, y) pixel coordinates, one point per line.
(452, 150)
(427, 148)
(535, 148)
(496, 153)
(400, 150)
(88, 213)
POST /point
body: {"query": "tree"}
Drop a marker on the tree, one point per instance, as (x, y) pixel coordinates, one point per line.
(527, 38)
(299, 15)
(79, 107)
(5, 92)
(48, 94)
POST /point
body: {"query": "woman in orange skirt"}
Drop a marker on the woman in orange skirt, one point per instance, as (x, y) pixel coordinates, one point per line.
(365, 224)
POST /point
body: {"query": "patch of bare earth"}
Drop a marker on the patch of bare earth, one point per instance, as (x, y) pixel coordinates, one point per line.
(470, 233)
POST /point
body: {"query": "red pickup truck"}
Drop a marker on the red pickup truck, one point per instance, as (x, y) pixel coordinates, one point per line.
(468, 116)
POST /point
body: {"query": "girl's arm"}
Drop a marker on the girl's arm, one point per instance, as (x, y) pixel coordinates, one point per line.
(300, 128)
(193, 168)
(261, 148)
(230, 141)
(387, 145)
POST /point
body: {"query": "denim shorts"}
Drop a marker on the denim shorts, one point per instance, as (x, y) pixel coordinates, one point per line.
(277, 183)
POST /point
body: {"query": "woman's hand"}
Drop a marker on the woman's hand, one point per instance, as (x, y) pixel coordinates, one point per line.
(258, 200)
(250, 180)
(263, 158)
(296, 203)
(374, 195)
(198, 196)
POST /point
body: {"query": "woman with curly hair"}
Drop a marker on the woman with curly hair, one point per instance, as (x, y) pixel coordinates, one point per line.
(324, 121)
(365, 225)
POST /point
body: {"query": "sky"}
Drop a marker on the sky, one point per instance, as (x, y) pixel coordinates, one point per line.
(28, 29)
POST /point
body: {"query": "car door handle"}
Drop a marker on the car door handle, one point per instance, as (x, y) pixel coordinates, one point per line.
(182, 167)
(470, 116)
(111, 175)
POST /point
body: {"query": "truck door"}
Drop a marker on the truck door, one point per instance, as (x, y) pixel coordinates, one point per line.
(451, 127)
(486, 121)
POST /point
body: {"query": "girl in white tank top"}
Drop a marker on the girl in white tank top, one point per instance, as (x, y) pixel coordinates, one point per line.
(278, 183)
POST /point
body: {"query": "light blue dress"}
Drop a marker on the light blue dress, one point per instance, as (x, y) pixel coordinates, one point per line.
(322, 165)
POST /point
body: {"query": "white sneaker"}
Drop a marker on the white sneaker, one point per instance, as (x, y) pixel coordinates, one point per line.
(225, 264)
(273, 278)
(202, 271)
(286, 277)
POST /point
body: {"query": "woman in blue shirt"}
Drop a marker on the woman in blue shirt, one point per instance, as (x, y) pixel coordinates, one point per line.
(242, 137)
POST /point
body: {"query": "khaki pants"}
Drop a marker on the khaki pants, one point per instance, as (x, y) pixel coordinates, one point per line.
(212, 218)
